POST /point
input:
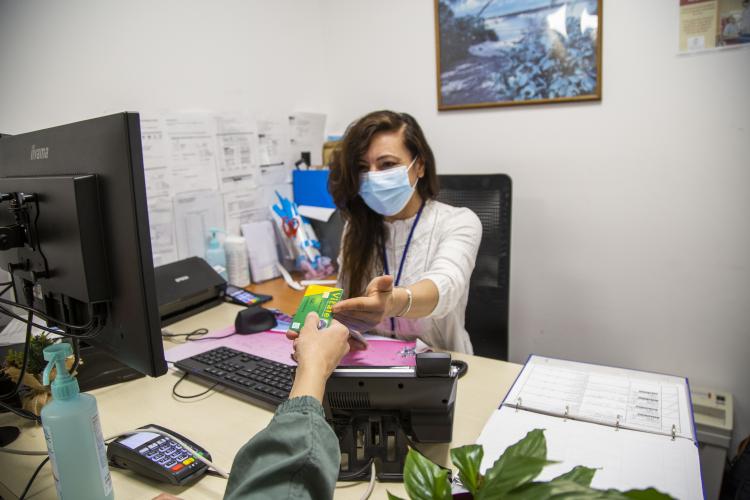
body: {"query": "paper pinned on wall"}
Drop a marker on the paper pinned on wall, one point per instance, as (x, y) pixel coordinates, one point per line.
(155, 159)
(261, 250)
(244, 206)
(271, 175)
(192, 151)
(195, 214)
(237, 150)
(273, 142)
(307, 133)
(162, 227)
(158, 178)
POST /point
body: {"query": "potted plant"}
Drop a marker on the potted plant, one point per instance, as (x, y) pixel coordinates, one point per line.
(511, 476)
(34, 395)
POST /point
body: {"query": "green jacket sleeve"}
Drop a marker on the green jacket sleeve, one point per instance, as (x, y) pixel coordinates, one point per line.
(296, 456)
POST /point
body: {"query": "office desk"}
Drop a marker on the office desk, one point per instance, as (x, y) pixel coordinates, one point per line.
(222, 422)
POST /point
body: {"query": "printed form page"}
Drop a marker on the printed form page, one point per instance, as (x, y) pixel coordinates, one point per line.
(632, 399)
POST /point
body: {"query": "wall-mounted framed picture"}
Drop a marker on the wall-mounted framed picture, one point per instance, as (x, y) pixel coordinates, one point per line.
(512, 52)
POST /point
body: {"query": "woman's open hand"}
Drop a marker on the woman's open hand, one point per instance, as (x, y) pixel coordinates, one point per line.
(363, 313)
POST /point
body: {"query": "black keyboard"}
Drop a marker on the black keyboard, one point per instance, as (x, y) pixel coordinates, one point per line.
(258, 378)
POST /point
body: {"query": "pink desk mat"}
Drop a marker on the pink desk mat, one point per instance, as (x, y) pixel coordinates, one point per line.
(275, 346)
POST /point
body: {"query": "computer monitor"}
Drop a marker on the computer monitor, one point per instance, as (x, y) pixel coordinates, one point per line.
(74, 233)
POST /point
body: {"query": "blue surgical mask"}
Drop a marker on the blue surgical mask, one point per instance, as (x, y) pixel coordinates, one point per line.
(387, 191)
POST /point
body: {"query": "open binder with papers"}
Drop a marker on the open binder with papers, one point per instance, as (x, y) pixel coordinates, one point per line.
(635, 427)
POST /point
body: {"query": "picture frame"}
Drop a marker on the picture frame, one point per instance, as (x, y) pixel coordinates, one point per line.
(514, 52)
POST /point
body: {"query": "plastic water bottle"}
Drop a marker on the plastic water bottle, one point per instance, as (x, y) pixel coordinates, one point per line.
(238, 268)
(73, 434)
(215, 254)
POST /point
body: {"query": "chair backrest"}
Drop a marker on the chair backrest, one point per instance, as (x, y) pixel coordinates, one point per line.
(490, 197)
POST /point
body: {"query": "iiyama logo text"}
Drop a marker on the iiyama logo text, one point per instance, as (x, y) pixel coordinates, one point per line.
(39, 153)
(181, 279)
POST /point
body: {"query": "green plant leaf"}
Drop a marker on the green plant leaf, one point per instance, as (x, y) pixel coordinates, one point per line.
(391, 496)
(516, 471)
(560, 489)
(505, 474)
(423, 479)
(579, 474)
(532, 445)
(468, 459)
(647, 494)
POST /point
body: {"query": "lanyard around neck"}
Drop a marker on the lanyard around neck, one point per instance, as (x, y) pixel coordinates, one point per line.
(397, 278)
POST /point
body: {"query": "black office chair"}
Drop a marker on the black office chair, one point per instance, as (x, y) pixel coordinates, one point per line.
(490, 197)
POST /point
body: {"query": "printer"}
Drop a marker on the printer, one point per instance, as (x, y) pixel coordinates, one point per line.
(187, 287)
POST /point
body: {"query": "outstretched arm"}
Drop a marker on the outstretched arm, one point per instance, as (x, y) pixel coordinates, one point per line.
(297, 454)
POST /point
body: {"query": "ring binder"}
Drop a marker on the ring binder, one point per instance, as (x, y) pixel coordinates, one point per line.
(578, 405)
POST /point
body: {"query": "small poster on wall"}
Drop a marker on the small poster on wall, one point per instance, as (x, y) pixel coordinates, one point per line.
(714, 24)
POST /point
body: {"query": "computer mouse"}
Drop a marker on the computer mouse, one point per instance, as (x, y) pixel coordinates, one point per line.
(254, 319)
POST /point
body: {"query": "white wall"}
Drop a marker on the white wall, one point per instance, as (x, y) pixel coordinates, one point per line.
(631, 232)
(631, 240)
(65, 61)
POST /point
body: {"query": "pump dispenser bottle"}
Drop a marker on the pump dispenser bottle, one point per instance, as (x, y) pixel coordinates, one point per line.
(73, 434)
(215, 255)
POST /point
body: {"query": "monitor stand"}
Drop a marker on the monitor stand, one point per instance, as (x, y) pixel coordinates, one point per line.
(98, 369)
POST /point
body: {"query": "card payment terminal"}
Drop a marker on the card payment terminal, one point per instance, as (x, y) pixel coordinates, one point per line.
(158, 457)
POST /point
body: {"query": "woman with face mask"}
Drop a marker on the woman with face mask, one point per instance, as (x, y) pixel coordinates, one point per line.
(406, 259)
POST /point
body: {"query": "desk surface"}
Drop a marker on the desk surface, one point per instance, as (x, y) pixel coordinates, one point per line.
(222, 423)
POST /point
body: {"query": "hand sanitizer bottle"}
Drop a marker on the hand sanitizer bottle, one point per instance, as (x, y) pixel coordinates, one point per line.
(215, 254)
(73, 434)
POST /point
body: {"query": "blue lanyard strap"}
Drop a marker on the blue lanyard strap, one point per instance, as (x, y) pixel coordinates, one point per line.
(403, 258)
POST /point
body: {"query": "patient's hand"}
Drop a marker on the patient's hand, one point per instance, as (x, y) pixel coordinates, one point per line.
(355, 344)
(318, 353)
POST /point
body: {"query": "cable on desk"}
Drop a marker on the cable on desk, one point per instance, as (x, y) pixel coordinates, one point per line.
(215, 338)
(353, 475)
(21, 413)
(31, 481)
(23, 452)
(165, 334)
(371, 486)
(184, 376)
(200, 331)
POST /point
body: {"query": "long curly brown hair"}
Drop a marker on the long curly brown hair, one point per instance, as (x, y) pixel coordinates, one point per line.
(363, 241)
